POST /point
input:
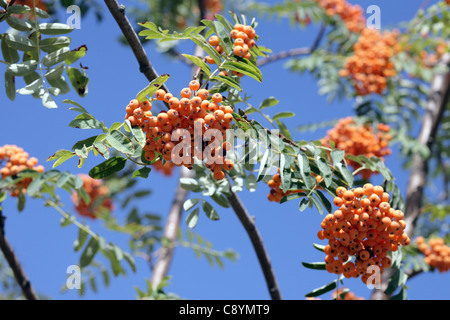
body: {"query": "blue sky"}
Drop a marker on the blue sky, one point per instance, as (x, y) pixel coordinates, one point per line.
(46, 249)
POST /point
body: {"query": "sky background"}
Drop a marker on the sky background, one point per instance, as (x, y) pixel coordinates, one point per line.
(46, 250)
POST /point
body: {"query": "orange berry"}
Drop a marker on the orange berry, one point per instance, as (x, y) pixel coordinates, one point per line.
(159, 94)
(194, 85)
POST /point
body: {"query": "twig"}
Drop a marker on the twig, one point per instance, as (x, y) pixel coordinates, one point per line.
(295, 52)
(437, 102)
(258, 245)
(14, 263)
(118, 12)
(170, 231)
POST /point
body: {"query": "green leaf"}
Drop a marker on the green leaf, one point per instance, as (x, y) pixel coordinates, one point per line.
(199, 63)
(21, 201)
(85, 121)
(325, 171)
(120, 142)
(79, 80)
(224, 36)
(229, 81)
(32, 88)
(305, 170)
(211, 213)
(55, 57)
(142, 173)
(54, 28)
(78, 108)
(322, 290)
(189, 184)
(48, 102)
(89, 252)
(314, 265)
(59, 83)
(337, 156)
(244, 66)
(19, 9)
(19, 42)
(152, 87)
(19, 24)
(292, 196)
(128, 258)
(82, 237)
(192, 218)
(325, 202)
(61, 156)
(283, 115)
(10, 54)
(75, 55)
(52, 44)
(285, 171)
(319, 247)
(220, 200)
(138, 134)
(269, 102)
(190, 203)
(250, 183)
(345, 173)
(107, 168)
(304, 203)
(265, 165)
(10, 86)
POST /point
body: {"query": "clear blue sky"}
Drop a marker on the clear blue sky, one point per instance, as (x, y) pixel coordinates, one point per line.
(45, 249)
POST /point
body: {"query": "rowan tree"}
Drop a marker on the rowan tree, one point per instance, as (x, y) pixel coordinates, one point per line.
(220, 138)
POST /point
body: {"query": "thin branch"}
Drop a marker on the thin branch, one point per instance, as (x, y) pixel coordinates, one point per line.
(295, 52)
(118, 12)
(171, 231)
(437, 102)
(249, 224)
(14, 263)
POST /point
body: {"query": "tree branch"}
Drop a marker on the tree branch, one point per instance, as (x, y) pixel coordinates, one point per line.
(249, 224)
(14, 263)
(118, 12)
(294, 52)
(171, 231)
(437, 102)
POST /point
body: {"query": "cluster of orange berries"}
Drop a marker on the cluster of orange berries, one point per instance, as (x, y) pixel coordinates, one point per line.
(173, 132)
(243, 40)
(437, 253)
(429, 60)
(357, 140)
(340, 295)
(352, 15)
(166, 168)
(212, 7)
(98, 193)
(276, 194)
(364, 227)
(371, 65)
(17, 160)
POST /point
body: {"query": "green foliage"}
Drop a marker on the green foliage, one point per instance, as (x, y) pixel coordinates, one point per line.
(39, 54)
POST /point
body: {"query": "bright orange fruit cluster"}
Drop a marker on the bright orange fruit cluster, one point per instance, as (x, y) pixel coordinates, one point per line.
(166, 168)
(339, 295)
(352, 15)
(17, 160)
(276, 194)
(171, 134)
(98, 193)
(437, 253)
(243, 40)
(365, 228)
(357, 140)
(370, 67)
(212, 7)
